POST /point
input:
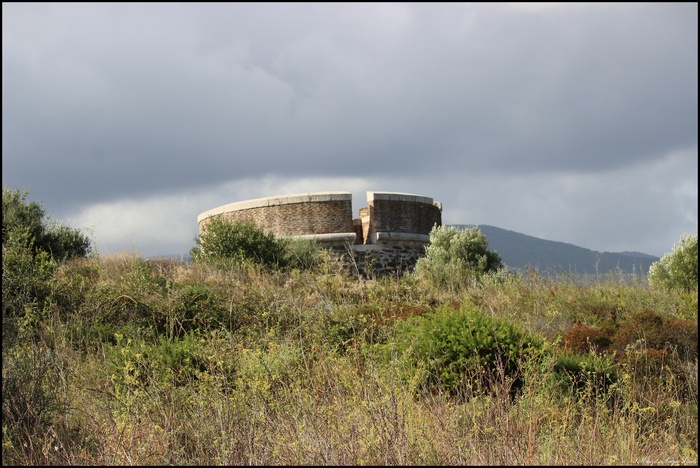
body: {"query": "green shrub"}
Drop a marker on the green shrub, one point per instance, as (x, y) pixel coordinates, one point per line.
(456, 256)
(25, 285)
(678, 269)
(31, 248)
(589, 373)
(20, 217)
(302, 254)
(23, 219)
(458, 346)
(241, 243)
(196, 307)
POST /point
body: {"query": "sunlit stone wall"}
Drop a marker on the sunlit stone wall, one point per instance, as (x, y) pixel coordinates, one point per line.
(388, 237)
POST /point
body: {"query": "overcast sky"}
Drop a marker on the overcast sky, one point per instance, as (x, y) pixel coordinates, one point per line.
(575, 123)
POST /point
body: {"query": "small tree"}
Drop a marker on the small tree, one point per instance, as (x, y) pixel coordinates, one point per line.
(457, 255)
(679, 268)
(223, 242)
(241, 242)
(31, 250)
(456, 347)
(24, 220)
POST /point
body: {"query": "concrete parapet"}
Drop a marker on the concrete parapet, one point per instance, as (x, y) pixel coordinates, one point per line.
(387, 237)
(398, 196)
(313, 197)
(344, 238)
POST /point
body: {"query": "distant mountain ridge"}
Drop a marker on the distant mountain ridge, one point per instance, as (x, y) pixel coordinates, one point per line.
(520, 251)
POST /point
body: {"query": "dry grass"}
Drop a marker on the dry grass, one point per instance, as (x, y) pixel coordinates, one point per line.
(282, 369)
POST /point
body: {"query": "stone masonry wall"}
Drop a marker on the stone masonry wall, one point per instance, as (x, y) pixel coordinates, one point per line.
(320, 213)
(391, 212)
(388, 238)
(378, 260)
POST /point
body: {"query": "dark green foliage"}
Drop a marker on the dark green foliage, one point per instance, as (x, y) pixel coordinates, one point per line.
(183, 357)
(24, 220)
(239, 241)
(25, 286)
(235, 244)
(31, 250)
(19, 218)
(591, 373)
(63, 242)
(455, 346)
(197, 307)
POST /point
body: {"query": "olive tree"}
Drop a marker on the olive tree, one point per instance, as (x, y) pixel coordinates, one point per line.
(455, 256)
(679, 268)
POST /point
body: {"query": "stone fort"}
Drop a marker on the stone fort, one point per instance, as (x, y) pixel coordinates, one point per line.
(387, 238)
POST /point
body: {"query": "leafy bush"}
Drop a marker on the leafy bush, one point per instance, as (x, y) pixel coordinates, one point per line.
(576, 372)
(242, 242)
(678, 269)
(302, 254)
(239, 241)
(31, 248)
(455, 256)
(456, 345)
(21, 219)
(25, 276)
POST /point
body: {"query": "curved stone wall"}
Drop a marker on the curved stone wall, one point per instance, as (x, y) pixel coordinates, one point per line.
(291, 215)
(394, 212)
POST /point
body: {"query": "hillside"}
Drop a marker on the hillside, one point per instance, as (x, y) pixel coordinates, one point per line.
(519, 251)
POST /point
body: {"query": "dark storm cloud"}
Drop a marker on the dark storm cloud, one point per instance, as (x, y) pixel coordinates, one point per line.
(103, 102)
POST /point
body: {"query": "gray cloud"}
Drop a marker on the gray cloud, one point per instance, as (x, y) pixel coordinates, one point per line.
(123, 105)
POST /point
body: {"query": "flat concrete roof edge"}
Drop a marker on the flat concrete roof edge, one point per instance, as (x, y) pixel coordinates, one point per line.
(390, 236)
(328, 237)
(398, 196)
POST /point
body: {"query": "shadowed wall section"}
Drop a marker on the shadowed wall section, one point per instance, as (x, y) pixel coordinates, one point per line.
(388, 237)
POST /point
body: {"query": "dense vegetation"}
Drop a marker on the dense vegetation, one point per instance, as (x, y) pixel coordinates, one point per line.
(122, 360)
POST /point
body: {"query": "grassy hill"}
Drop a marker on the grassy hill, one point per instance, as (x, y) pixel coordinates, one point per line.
(519, 251)
(117, 360)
